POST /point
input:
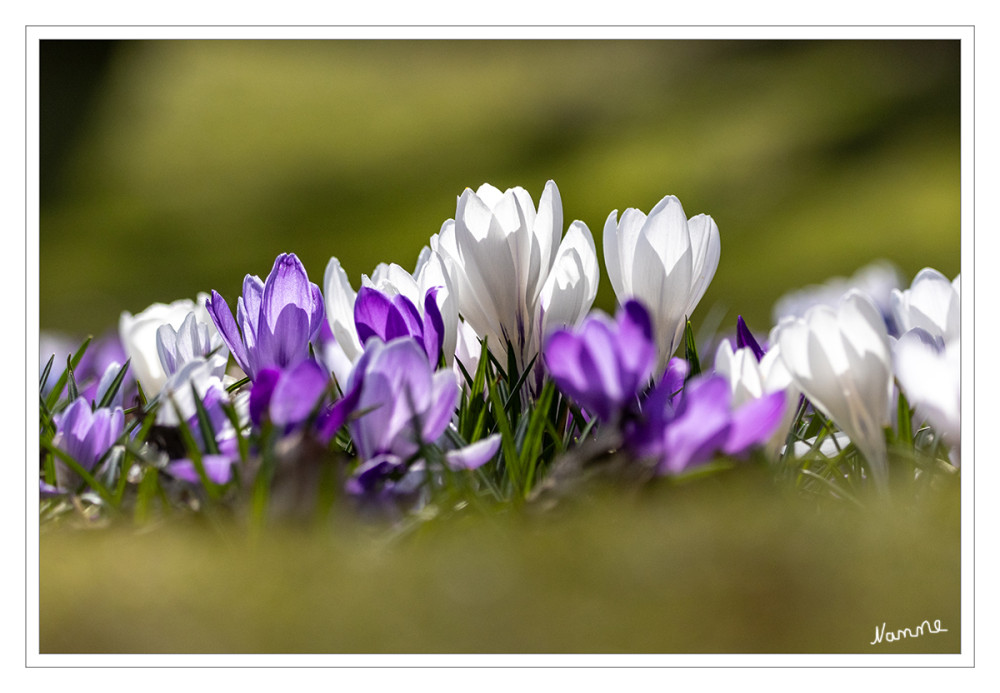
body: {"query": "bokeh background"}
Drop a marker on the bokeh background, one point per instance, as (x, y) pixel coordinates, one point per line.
(173, 167)
(170, 167)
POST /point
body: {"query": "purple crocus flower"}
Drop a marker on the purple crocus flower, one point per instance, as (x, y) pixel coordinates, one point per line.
(275, 319)
(86, 436)
(605, 363)
(685, 431)
(407, 406)
(384, 317)
(289, 397)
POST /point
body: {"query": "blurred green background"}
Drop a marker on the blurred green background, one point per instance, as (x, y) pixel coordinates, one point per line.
(172, 167)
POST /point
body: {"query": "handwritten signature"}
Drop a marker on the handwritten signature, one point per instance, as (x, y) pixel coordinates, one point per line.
(892, 636)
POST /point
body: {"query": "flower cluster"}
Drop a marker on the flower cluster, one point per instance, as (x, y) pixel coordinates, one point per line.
(482, 369)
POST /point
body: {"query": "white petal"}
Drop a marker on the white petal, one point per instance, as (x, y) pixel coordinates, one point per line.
(571, 287)
(612, 258)
(339, 298)
(488, 266)
(629, 227)
(706, 248)
(666, 228)
(547, 226)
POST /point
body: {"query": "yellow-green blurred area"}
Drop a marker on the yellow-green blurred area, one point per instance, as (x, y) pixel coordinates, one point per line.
(729, 565)
(172, 167)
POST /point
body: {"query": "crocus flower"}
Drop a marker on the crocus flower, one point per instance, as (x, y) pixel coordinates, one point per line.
(290, 397)
(139, 337)
(680, 431)
(514, 278)
(932, 303)
(198, 377)
(410, 404)
(605, 363)
(839, 358)
(104, 355)
(878, 280)
(275, 319)
(930, 375)
(342, 346)
(86, 435)
(378, 315)
(749, 378)
(191, 341)
(665, 260)
(407, 406)
(752, 373)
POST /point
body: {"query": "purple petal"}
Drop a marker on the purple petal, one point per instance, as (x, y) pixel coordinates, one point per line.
(286, 285)
(253, 293)
(562, 359)
(261, 392)
(330, 420)
(701, 426)
(219, 311)
(475, 455)
(744, 338)
(433, 326)
(317, 316)
(604, 395)
(218, 468)
(444, 397)
(673, 377)
(410, 315)
(637, 346)
(297, 392)
(375, 315)
(288, 344)
(755, 422)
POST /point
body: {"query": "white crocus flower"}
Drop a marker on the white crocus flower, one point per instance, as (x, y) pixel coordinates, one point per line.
(177, 396)
(193, 340)
(138, 334)
(666, 261)
(749, 380)
(931, 378)
(515, 274)
(839, 358)
(878, 280)
(390, 280)
(932, 303)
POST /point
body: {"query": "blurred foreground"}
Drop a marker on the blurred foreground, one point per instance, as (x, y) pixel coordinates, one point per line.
(724, 565)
